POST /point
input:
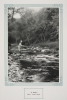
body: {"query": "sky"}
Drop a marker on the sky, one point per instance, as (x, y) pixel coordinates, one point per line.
(33, 8)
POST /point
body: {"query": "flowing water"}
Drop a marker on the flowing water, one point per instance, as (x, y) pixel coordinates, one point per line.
(33, 64)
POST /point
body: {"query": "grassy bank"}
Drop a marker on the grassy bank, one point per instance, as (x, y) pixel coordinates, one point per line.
(51, 45)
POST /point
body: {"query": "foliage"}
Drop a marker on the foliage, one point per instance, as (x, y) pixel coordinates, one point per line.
(33, 27)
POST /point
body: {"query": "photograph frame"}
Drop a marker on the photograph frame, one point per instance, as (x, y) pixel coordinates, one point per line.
(60, 83)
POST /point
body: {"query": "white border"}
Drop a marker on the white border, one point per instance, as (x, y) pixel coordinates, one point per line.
(60, 6)
(50, 92)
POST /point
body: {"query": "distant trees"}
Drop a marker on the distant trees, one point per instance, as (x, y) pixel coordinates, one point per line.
(33, 27)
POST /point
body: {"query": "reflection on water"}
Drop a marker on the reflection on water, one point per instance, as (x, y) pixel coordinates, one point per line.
(33, 65)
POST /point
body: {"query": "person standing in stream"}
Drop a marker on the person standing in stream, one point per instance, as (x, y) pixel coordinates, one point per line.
(19, 46)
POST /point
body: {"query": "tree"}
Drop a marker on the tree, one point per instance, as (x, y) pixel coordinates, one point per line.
(34, 27)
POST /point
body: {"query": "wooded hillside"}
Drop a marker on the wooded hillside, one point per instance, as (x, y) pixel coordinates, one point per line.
(33, 27)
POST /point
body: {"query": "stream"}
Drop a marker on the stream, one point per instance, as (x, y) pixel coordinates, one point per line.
(33, 64)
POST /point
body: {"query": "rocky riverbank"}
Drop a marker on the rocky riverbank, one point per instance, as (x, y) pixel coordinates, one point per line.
(33, 64)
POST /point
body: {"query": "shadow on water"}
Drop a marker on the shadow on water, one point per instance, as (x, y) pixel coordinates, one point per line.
(33, 66)
(35, 73)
